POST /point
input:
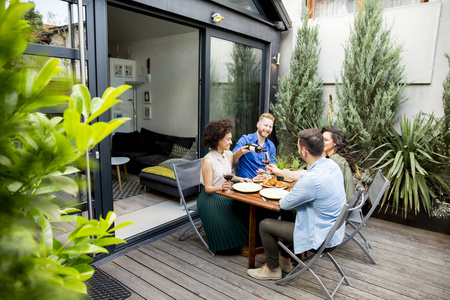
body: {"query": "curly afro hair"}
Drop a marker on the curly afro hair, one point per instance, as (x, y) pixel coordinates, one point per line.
(342, 148)
(215, 131)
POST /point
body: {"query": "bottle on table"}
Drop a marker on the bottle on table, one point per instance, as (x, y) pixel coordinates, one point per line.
(255, 148)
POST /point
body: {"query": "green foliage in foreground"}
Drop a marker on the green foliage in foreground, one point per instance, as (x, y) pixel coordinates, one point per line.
(38, 156)
(412, 166)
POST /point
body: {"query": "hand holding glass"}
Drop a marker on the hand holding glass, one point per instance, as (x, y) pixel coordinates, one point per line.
(228, 175)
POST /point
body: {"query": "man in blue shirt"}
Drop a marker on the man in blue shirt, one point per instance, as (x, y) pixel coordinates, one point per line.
(249, 161)
(318, 197)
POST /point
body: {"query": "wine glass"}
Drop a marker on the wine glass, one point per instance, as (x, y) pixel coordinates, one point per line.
(228, 175)
(266, 160)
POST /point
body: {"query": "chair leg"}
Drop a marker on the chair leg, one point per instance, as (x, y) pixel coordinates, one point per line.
(193, 227)
(338, 268)
(365, 251)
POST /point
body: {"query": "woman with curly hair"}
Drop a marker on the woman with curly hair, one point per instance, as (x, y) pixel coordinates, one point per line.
(223, 229)
(337, 149)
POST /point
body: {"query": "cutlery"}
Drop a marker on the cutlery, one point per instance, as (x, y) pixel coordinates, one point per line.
(265, 200)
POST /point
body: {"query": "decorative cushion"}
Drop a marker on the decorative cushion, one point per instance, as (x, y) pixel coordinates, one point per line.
(178, 151)
(161, 171)
(163, 148)
(192, 153)
(170, 162)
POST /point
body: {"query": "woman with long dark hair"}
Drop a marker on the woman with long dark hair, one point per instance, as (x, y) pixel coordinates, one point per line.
(337, 149)
(223, 229)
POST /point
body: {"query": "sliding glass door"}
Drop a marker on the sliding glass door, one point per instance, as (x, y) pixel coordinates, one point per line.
(235, 77)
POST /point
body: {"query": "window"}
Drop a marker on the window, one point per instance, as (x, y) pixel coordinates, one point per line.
(323, 8)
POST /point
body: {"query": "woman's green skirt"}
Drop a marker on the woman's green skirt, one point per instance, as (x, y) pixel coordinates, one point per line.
(222, 227)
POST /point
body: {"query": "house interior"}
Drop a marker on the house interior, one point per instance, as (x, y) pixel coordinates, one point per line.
(160, 60)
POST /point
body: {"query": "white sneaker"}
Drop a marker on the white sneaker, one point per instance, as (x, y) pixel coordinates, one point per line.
(264, 273)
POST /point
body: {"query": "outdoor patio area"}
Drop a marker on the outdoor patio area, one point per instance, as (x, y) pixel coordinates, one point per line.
(412, 264)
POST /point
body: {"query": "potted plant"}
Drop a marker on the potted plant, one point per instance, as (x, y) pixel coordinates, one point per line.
(411, 165)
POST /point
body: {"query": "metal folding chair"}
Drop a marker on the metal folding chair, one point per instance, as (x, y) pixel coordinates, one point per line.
(187, 175)
(374, 194)
(316, 254)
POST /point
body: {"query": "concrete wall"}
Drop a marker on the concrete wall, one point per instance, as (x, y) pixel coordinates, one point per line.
(424, 31)
(174, 83)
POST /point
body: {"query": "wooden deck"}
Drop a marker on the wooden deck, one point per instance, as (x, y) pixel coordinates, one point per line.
(412, 264)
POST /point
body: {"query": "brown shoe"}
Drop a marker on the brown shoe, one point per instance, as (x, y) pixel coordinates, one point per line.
(264, 273)
(286, 267)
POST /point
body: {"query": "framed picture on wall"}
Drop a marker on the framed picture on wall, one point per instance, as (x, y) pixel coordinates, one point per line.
(129, 71)
(147, 112)
(118, 107)
(147, 97)
(118, 70)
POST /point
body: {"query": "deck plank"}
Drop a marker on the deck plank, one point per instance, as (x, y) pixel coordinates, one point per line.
(412, 264)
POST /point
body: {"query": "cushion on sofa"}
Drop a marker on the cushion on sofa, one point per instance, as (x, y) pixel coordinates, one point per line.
(178, 151)
(192, 153)
(163, 148)
(126, 142)
(170, 162)
(152, 160)
(161, 171)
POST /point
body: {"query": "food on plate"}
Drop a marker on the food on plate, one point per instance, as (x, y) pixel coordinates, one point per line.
(262, 177)
(275, 183)
(288, 179)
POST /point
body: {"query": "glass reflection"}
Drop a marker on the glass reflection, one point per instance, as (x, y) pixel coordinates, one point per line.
(235, 89)
(54, 23)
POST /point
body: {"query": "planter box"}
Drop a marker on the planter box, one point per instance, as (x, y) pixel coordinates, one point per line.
(421, 220)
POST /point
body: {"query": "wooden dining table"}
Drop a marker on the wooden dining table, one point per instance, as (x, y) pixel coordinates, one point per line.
(256, 201)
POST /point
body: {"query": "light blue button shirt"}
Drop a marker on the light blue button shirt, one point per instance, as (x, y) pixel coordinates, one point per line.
(318, 196)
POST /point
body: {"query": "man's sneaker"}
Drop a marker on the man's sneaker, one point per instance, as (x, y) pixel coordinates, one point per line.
(264, 273)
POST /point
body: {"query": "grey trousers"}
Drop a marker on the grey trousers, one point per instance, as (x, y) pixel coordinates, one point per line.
(271, 230)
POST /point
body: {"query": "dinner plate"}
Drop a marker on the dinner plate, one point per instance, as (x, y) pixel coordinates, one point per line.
(247, 187)
(273, 193)
(257, 180)
(274, 187)
(288, 180)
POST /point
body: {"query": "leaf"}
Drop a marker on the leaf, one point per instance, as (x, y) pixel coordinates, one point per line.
(82, 100)
(83, 137)
(121, 225)
(107, 241)
(67, 184)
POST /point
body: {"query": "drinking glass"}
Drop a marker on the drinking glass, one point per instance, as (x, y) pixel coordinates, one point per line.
(266, 160)
(228, 175)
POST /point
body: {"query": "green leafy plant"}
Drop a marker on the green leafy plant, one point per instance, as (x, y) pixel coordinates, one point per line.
(299, 98)
(410, 164)
(39, 155)
(369, 90)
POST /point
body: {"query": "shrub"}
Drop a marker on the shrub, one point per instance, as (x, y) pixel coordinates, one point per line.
(299, 99)
(370, 88)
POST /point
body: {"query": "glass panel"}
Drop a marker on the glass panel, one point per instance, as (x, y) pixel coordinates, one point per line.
(235, 89)
(62, 82)
(246, 4)
(54, 23)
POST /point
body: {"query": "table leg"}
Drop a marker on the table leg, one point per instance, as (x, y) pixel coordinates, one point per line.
(118, 175)
(126, 174)
(252, 237)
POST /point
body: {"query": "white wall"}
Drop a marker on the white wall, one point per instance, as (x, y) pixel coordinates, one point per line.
(424, 30)
(174, 83)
